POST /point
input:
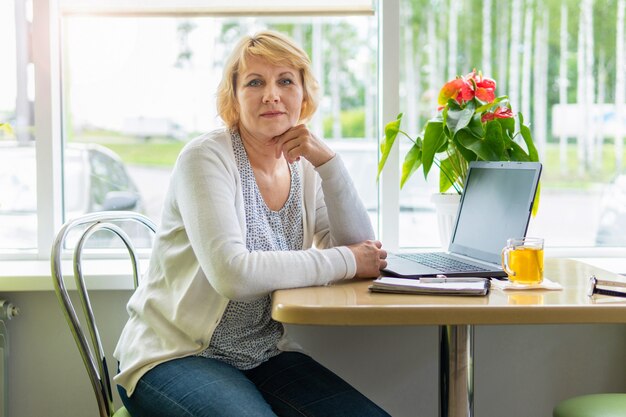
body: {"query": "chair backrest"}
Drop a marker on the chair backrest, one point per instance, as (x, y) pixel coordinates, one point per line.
(91, 350)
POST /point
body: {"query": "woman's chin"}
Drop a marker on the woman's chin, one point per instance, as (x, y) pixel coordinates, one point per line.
(268, 129)
(276, 130)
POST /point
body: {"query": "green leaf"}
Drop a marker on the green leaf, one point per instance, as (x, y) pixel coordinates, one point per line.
(508, 126)
(494, 140)
(486, 150)
(447, 176)
(444, 145)
(487, 107)
(533, 155)
(458, 118)
(434, 139)
(476, 126)
(466, 153)
(536, 202)
(532, 150)
(517, 153)
(412, 161)
(391, 132)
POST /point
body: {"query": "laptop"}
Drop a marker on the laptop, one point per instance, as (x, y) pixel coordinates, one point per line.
(496, 205)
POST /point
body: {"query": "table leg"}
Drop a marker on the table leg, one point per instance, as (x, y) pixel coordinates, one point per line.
(456, 371)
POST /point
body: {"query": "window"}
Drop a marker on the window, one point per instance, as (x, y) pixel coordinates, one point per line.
(136, 86)
(141, 87)
(562, 65)
(18, 182)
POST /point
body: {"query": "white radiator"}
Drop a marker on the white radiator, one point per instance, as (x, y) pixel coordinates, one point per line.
(7, 312)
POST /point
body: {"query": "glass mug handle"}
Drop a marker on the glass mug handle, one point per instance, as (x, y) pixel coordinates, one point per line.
(505, 260)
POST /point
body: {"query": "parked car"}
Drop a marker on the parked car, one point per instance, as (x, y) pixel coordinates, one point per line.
(95, 180)
(612, 225)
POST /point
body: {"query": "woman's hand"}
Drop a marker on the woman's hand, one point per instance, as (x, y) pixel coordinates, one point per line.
(370, 258)
(299, 142)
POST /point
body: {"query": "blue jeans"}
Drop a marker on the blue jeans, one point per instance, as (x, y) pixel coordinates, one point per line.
(290, 384)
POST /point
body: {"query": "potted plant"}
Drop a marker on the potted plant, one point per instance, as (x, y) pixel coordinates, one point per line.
(471, 124)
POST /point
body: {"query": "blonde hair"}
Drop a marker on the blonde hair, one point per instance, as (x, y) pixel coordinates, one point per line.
(277, 49)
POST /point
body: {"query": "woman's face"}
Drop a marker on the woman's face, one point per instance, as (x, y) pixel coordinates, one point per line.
(269, 97)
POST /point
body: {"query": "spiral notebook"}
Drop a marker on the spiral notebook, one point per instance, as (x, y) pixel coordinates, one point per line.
(447, 286)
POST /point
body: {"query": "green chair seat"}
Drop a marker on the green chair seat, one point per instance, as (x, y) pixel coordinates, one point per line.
(595, 405)
(122, 412)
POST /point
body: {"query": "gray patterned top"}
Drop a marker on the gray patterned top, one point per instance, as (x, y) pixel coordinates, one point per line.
(246, 335)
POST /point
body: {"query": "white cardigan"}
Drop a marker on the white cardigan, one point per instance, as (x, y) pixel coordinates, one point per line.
(200, 261)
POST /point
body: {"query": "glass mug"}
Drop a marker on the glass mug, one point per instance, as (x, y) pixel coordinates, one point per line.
(522, 260)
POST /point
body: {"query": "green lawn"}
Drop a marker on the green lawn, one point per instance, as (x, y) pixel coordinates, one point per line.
(575, 174)
(162, 152)
(157, 152)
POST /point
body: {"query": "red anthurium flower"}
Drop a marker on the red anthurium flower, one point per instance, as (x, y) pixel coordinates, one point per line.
(484, 88)
(466, 93)
(503, 113)
(463, 89)
(449, 90)
(500, 113)
(486, 83)
(485, 95)
(487, 117)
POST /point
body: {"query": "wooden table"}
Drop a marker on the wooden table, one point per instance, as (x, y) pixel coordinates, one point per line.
(351, 304)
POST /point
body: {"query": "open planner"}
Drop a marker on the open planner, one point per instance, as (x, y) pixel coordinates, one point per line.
(432, 286)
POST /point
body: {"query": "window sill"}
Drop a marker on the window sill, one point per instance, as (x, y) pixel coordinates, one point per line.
(35, 275)
(115, 274)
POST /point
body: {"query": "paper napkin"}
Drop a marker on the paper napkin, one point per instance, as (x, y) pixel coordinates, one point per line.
(546, 284)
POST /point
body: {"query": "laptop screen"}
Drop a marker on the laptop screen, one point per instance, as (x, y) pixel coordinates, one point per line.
(496, 205)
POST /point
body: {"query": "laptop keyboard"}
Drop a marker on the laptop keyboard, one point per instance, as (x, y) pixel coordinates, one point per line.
(442, 262)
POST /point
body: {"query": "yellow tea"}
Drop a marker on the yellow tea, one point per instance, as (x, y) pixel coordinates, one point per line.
(527, 263)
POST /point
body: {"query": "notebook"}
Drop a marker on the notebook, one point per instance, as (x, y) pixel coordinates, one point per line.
(496, 205)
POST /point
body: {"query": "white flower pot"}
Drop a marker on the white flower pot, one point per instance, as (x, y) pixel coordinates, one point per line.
(446, 207)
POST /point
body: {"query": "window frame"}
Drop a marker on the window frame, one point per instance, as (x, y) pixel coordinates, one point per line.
(216, 7)
(46, 53)
(46, 44)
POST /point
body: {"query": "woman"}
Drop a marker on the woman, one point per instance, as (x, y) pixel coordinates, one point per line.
(259, 206)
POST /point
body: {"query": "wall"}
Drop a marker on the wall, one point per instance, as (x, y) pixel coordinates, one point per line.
(520, 371)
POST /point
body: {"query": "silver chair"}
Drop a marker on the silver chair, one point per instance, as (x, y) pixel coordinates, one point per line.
(91, 350)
